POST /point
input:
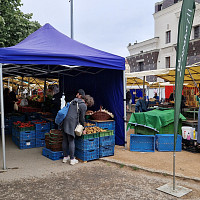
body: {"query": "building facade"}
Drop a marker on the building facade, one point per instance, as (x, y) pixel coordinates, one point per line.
(160, 51)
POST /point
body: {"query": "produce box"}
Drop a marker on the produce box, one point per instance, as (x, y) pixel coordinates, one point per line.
(165, 142)
(105, 151)
(51, 154)
(89, 136)
(87, 155)
(41, 125)
(25, 144)
(107, 141)
(106, 133)
(142, 143)
(39, 142)
(89, 144)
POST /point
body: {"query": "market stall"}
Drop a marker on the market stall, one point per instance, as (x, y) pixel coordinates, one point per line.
(49, 53)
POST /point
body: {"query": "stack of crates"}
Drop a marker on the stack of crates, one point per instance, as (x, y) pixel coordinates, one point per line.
(41, 127)
(87, 147)
(30, 116)
(23, 135)
(106, 143)
(8, 125)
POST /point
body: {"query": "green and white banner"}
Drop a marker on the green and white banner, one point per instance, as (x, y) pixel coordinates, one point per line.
(184, 31)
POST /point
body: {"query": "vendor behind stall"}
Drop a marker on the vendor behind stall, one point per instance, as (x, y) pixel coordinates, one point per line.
(8, 103)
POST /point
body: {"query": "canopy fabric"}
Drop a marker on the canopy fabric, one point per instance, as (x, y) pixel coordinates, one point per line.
(155, 119)
(135, 81)
(47, 46)
(194, 70)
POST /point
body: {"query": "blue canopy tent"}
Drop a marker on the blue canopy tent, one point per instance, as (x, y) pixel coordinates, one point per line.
(49, 53)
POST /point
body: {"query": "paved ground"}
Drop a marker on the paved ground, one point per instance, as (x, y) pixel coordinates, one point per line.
(94, 180)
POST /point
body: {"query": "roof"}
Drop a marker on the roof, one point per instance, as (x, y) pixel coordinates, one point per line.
(48, 47)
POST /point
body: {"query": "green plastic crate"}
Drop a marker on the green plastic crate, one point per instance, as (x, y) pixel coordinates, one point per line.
(89, 136)
(169, 129)
(107, 133)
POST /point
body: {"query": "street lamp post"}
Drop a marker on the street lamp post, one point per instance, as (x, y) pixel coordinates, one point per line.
(72, 20)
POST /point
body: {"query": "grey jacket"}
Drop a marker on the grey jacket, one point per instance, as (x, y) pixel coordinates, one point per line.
(71, 120)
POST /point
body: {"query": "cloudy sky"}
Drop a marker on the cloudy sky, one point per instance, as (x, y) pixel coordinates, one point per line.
(108, 25)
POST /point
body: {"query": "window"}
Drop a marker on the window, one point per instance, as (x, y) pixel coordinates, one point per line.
(141, 66)
(175, 1)
(168, 37)
(159, 7)
(167, 62)
(196, 32)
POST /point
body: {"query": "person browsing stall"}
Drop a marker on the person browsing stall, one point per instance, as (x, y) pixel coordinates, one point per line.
(76, 113)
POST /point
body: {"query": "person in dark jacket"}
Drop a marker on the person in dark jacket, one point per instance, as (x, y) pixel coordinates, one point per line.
(13, 95)
(8, 103)
(75, 115)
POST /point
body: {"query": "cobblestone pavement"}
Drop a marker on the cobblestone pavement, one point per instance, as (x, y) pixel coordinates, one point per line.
(95, 180)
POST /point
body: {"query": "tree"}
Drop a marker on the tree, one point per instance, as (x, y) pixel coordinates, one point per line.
(14, 24)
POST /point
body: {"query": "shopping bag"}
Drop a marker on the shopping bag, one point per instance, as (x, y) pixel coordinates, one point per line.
(62, 114)
(79, 130)
(15, 106)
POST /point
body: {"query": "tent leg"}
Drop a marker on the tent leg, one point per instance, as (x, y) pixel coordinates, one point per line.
(125, 136)
(2, 119)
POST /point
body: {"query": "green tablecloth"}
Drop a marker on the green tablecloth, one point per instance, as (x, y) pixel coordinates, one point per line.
(155, 119)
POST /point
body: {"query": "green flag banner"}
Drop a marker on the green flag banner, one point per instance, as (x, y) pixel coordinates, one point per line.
(184, 31)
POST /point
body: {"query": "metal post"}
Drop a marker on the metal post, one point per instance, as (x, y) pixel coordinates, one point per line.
(174, 156)
(72, 20)
(124, 84)
(2, 119)
(143, 86)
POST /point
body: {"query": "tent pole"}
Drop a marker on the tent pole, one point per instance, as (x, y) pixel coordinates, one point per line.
(72, 21)
(2, 119)
(124, 83)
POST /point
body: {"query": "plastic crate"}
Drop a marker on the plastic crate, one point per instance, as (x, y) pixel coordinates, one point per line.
(107, 141)
(52, 154)
(165, 142)
(40, 134)
(110, 125)
(24, 135)
(88, 136)
(18, 118)
(89, 144)
(142, 143)
(106, 133)
(87, 155)
(27, 144)
(169, 129)
(41, 126)
(32, 116)
(39, 142)
(106, 151)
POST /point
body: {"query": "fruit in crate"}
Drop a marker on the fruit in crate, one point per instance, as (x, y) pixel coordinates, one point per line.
(88, 124)
(91, 130)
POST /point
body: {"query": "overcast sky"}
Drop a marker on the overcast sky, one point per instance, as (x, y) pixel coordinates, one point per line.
(108, 25)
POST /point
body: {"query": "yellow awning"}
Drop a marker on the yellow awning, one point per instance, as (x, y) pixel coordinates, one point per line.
(134, 81)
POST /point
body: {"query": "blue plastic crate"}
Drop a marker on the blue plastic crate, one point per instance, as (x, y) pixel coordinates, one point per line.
(110, 125)
(107, 141)
(165, 142)
(27, 144)
(33, 116)
(24, 135)
(18, 118)
(42, 126)
(142, 143)
(87, 155)
(39, 142)
(105, 151)
(88, 144)
(40, 134)
(52, 154)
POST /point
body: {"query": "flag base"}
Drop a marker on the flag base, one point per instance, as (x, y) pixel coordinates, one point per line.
(178, 192)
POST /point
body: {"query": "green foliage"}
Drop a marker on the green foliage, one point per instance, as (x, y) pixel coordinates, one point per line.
(14, 24)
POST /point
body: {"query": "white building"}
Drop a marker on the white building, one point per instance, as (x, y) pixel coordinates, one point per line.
(160, 51)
